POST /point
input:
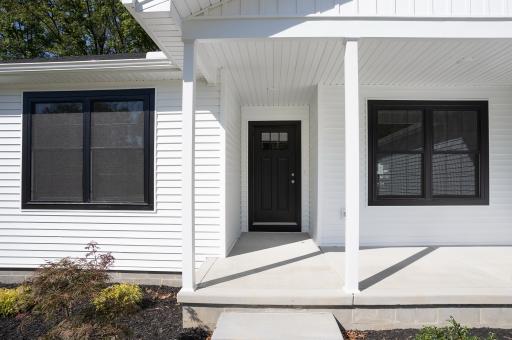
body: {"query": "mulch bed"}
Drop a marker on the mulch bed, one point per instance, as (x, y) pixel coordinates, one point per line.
(159, 318)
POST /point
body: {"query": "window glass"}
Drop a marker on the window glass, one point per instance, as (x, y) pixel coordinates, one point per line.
(400, 130)
(399, 175)
(56, 152)
(455, 130)
(274, 140)
(117, 151)
(454, 174)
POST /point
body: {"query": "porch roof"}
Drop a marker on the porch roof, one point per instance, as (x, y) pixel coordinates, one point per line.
(288, 269)
(284, 72)
(169, 21)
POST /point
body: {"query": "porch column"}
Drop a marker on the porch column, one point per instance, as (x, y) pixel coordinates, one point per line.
(351, 167)
(188, 111)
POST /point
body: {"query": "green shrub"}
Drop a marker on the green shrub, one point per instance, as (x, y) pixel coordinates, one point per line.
(14, 300)
(454, 331)
(63, 288)
(63, 292)
(119, 299)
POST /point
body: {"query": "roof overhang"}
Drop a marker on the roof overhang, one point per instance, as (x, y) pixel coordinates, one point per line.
(154, 67)
(152, 60)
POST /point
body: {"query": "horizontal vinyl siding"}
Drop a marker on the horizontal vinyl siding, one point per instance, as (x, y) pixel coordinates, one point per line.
(232, 121)
(331, 170)
(142, 240)
(408, 8)
(408, 225)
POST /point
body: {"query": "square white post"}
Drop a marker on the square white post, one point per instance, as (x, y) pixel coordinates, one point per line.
(351, 167)
(188, 113)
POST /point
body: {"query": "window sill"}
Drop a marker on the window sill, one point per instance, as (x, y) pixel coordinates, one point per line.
(86, 206)
(434, 202)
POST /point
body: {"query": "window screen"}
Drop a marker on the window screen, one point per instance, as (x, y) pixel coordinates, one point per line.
(57, 152)
(400, 152)
(455, 162)
(117, 151)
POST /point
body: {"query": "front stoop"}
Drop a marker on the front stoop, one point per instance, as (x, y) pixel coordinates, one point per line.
(276, 326)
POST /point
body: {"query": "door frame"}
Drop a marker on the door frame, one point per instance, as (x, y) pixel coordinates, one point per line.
(298, 165)
(275, 113)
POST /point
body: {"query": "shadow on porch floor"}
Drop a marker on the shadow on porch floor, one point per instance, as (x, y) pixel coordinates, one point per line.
(289, 269)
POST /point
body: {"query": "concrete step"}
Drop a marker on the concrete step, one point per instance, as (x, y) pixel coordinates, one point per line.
(276, 326)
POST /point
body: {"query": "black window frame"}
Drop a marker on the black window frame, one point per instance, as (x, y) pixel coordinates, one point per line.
(87, 98)
(427, 198)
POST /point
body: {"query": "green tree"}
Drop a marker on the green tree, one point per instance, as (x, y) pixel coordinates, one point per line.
(56, 28)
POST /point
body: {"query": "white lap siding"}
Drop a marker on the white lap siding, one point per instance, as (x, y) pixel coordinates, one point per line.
(139, 240)
(409, 225)
(231, 123)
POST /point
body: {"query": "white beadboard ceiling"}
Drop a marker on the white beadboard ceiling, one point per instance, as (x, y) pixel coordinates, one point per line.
(285, 71)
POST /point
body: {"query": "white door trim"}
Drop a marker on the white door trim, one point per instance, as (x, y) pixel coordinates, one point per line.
(271, 113)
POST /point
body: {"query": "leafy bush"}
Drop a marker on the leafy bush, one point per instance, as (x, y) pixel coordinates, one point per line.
(62, 288)
(63, 292)
(454, 331)
(14, 300)
(117, 300)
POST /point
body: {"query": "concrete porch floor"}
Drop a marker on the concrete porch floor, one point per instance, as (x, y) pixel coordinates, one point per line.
(289, 269)
(270, 269)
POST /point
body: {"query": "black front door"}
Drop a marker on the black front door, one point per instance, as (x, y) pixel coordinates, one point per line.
(274, 176)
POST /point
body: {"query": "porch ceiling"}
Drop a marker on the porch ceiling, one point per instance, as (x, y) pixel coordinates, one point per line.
(285, 71)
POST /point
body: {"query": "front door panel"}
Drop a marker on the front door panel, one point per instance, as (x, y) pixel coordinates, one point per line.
(274, 176)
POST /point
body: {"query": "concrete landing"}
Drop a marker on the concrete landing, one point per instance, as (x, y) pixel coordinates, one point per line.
(284, 269)
(276, 326)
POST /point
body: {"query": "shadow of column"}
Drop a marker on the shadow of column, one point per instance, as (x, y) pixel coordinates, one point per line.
(372, 280)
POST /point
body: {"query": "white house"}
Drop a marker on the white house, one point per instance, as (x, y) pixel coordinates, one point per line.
(377, 134)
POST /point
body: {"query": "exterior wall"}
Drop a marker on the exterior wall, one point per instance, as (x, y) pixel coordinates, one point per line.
(141, 240)
(407, 8)
(268, 113)
(331, 170)
(231, 123)
(424, 225)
